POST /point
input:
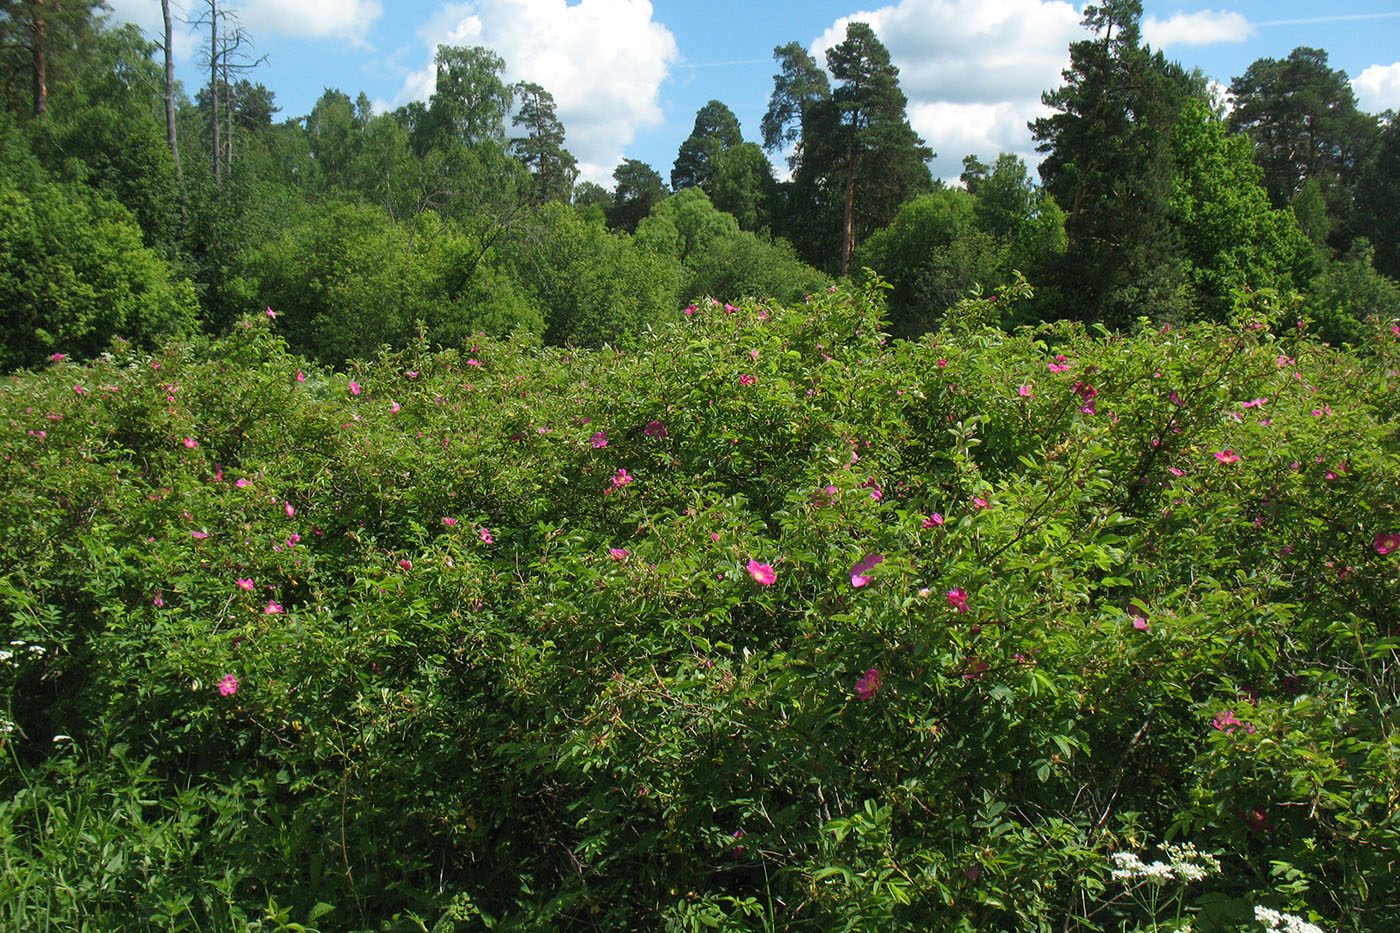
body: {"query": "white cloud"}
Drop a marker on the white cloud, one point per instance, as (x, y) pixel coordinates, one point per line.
(973, 70)
(312, 19)
(603, 60)
(1204, 27)
(308, 19)
(1378, 88)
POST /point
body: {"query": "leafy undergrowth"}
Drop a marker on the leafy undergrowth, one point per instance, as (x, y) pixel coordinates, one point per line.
(770, 624)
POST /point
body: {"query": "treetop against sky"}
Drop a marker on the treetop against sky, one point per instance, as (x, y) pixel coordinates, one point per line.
(629, 75)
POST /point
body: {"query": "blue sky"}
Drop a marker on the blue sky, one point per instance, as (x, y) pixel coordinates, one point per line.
(629, 75)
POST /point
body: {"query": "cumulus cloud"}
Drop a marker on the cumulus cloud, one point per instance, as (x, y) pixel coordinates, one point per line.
(1204, 27)
(1378, 88)
(308, 19)
(318, 19)
(973, 70)
(603, 60)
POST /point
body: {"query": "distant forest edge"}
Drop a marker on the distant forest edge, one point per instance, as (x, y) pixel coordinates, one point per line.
(133, 211)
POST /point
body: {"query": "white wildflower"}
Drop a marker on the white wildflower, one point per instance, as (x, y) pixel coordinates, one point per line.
(1277, 920)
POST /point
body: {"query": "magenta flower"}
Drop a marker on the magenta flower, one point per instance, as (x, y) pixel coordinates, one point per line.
(1057, 367)
(240, 482)
(449, 522)
(763, 573)
(1227, 456)
(301, 376)
(158, 600)
(191, 443)
(860, 573)
(271, 313)
(228, 686)
(354, 388)
(57, 357)
(199, 535)
(272, 608)
(867, 685)
(485, 536)
(1175, 472)
(933, 521)
(406, 564)
(598, 440)
(1226, 721)
(1139, 623)
(690, 310)
(975, 668)
(957, 598)
(79, 389)
(473, 362)
(1384, 544)
(617, 553)
(981, 503)
(245, 584)
(1254, 403)
(1025, 391)
(655, 429)
(394, 406)
(621, 478)
(289, 510)
(746, 380)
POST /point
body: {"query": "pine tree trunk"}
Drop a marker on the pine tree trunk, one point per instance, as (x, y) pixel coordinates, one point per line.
(41, 58)
(848, 224)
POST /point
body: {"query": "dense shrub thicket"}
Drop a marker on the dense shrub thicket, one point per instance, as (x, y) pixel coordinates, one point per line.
(770, 624)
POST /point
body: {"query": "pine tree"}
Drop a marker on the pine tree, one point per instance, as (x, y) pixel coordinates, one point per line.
(541, 149)
(1109, 164)
(716, 130)
(857, 158)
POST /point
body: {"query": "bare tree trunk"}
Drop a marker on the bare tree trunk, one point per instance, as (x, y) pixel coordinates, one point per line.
(228, 120)
(214, 89)
(170, 88)
(41, 58)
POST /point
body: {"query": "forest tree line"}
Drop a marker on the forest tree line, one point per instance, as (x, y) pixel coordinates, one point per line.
(134, 210)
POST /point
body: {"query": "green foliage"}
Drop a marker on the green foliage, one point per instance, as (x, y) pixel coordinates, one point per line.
(639, 188)
(1227, 231)
(470, 102)
(104, 131)
(595, 287)
(74, 273)
(1349, 300)
(349, 280)
(1378, 201)
(716, 131)
(1109, 164)
(720, 260)
(944, 246)
(741, 184)
(933, 253)
(1302, 119)
(772, 623)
